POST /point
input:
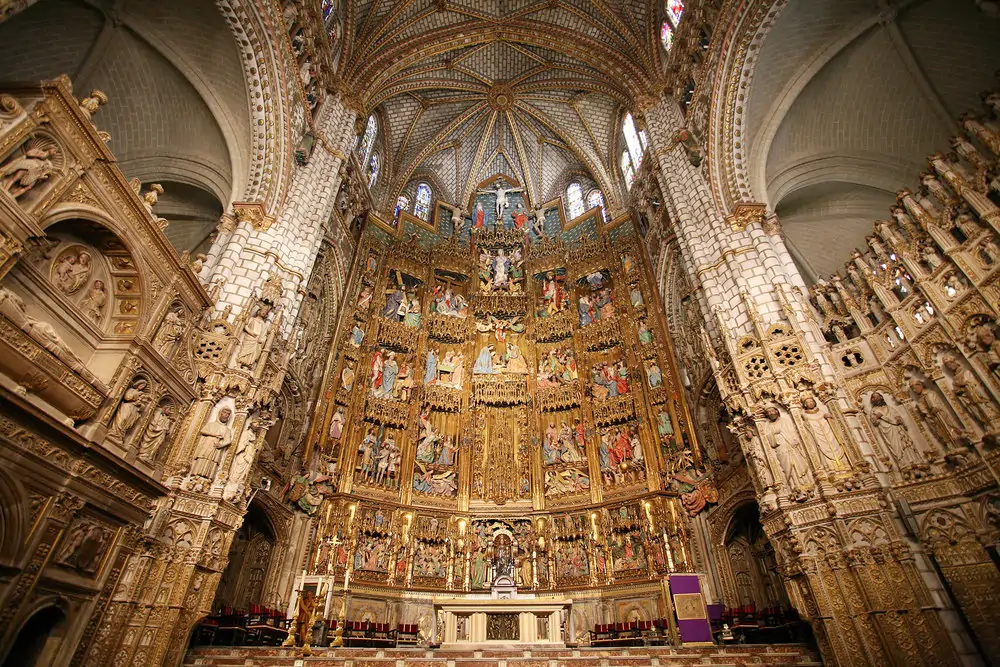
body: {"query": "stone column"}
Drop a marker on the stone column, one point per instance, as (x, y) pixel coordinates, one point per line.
(842, 552)
(286, 241)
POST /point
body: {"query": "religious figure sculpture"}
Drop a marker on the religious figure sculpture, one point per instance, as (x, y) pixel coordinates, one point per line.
(253, 339)
(969, 394)
(246, 452)
(778, 432)
(84, 546)
(932, 412)
(819, 427)
(93, 304)
(502, 203)
(213, 441)
(891, 430)
(129, 410)
(157, 432)
(72, 270)
(12, 307)
(22, 173)
(170, 333)
(337, 423)
(302, 625)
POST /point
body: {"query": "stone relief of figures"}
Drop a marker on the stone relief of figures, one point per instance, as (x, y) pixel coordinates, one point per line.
(595, 301)
(777, 430)
(969, 394)
(93, 303)
(83, 546)
(620, 455)
(171, 331)
(157, 431)
(72, 269)
(556, 368)
(932, 412)
(436, 456)
(554, 298)
(392, 375)
(243, 460)
(214, 440)
(12, 307)
(822, 434)
(35, 164)
(379, 459)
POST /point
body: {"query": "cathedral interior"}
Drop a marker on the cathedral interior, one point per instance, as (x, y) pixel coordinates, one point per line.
(501, 333)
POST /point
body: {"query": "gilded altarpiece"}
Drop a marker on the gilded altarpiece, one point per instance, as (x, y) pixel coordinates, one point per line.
(501, 403)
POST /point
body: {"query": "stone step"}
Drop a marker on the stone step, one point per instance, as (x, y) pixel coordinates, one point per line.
(783, 655)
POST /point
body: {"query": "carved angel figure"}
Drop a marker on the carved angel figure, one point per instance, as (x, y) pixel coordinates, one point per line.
(22, 173)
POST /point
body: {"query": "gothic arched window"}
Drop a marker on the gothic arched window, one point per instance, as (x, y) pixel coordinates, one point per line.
(595, 199)
(574, 201)
(667, 35)
(633, 140)
(368, 141)
(628, 171)
(402, 204)
(328, 8)
(373, 171)
(422, 207)
(674, 10)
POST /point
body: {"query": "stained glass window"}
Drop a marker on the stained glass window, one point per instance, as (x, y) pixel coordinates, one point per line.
(422, 207)
(402, 204)
(373, 171)
(574, 200)
(595, 199)
(674, 10)
(368, 142)
(667, 35)
(628, 172)
(330, 6)
(632, 140)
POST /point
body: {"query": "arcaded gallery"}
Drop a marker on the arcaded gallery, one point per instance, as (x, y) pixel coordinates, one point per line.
(499, 333)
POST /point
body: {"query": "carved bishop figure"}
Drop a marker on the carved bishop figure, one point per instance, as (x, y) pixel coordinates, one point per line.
(778, 431)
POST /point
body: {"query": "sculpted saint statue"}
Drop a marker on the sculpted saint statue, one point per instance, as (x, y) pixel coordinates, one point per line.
(932, 412)
(891, 430)
(213, 440)
(819, 423)
(254, 335)
(156, 432)
(243, 461)
(778, 431)
(130, 409)
(968, 392)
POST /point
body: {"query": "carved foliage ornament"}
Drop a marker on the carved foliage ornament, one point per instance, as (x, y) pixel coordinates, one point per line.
(746, 214)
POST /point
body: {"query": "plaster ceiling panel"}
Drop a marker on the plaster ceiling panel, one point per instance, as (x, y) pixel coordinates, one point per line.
(882, 115)
(433, 122)
(31, 50)
(399, 113)
(497, 61)
(155, 112)
(555, 161)
(802, 30)
(822, 222)
(956, 47)
(442, 165)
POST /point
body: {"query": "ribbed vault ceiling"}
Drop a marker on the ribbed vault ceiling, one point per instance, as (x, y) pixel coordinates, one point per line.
(468, 88)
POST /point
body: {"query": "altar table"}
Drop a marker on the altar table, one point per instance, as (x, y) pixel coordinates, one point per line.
(482, 620)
